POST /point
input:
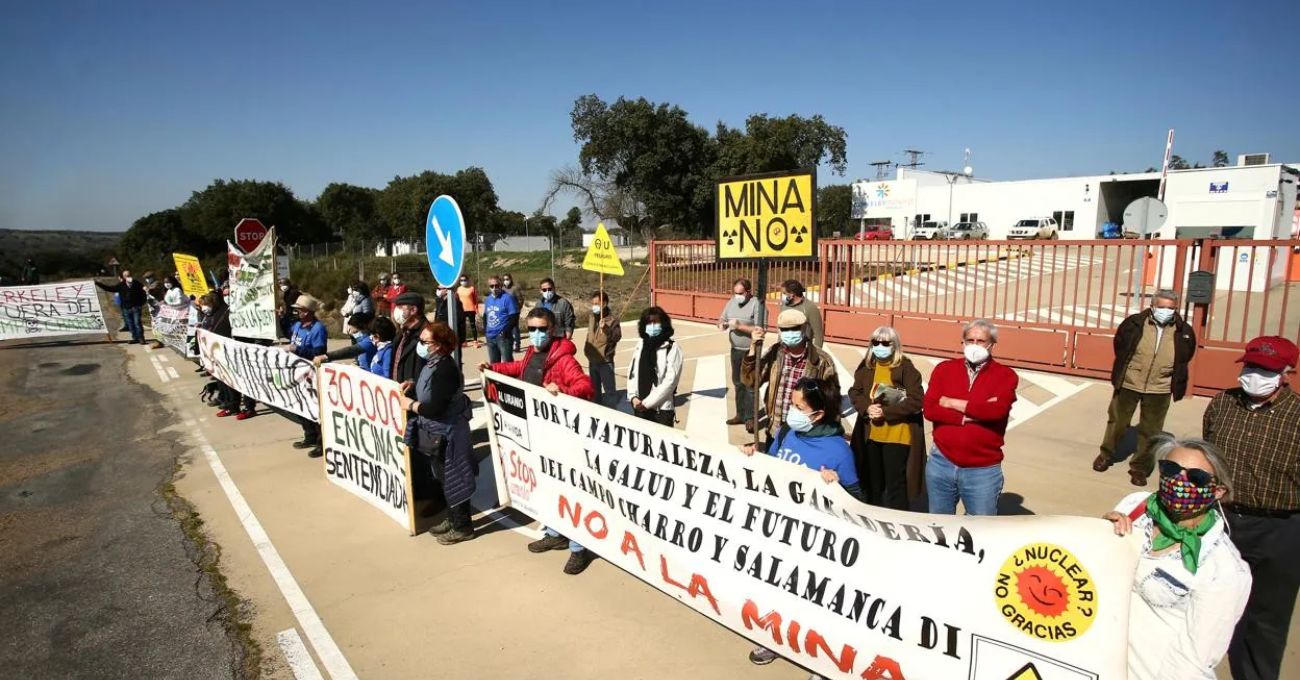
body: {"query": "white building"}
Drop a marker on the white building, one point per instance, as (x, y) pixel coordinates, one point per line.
(1241, 201)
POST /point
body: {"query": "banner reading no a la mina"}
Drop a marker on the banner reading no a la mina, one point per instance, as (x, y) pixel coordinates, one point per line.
(776, 554)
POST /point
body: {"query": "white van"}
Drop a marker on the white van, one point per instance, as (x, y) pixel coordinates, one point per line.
(1034, 227)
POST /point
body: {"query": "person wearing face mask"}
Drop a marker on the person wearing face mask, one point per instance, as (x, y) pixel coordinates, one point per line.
(792, 297)
(357, 302)
(656, 368)
(307, 338)
(379, 296)
(1153, 349)
(288, 316)
(395, 289)
(550, 362)
(740, 318)
(499, 315)
(467, 295)
(783, 364)
(1257, 427)
(358, 327)
(551, 299)
(811, 435)
(969, 401)
(889, 438)
(132, 294)
(173, 296)
(440, 304)
(408, 316)
(603, 335)
(508, 283)
(1191, 583)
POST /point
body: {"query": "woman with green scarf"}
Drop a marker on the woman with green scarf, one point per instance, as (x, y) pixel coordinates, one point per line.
(1191, 584)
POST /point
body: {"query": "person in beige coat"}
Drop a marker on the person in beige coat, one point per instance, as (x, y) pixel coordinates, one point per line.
(783, 364)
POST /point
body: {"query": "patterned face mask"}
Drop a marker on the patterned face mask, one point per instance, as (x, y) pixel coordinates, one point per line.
(1183, 499)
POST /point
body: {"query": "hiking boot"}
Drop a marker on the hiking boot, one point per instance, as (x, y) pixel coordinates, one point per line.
(244, 415)
(1101, 463)
(1137, 478)
(455, 536)
(735, 421)
(548, 543)
(440, 528)
(305, 444)
(762, 656)
(316, 452)
(578, 562)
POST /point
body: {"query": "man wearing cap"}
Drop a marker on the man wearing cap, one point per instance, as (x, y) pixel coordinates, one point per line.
(408, 316)
(792, 358)
(307, 339)
(1152, 351)
(1257, 428)
(792, 297)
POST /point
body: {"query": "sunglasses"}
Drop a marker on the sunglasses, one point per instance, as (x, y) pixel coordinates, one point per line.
(881, 343)
(1197, 476)
(538, 328)
(547, 290)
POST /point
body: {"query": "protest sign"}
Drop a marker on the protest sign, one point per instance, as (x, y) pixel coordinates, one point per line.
(601, 255)
(172, 327)
(252, 290)
(70, 308)
(190, 274)
(266, 374)
(363, 423)
(777, 554)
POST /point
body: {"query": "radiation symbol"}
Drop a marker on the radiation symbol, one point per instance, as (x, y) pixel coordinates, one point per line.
(799, 233)
(731, 236)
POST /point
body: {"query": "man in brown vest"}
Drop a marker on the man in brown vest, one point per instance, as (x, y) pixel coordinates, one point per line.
(1152, 351)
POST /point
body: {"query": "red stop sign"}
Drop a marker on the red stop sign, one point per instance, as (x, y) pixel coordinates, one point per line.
(249, 233)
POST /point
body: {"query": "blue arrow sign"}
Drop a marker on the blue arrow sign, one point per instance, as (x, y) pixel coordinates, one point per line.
(444, 238)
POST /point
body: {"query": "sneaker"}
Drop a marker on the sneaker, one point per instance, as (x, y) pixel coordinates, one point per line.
(440, 528)
(316, 452)
(244, 415)
(305, 444)
(762, 656)
(225, 412)
(548, 543)
(735, 421)
(456, 536)
(578, 562)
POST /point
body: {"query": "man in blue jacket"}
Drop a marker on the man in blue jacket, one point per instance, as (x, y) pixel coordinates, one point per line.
(307, 339)
(500, 315)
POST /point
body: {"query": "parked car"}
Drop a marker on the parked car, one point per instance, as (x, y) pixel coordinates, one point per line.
(875, 232)
(1034, 227)
(968, 231)
(928, 231)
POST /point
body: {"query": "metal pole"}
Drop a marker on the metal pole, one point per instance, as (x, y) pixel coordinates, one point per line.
(453, 320)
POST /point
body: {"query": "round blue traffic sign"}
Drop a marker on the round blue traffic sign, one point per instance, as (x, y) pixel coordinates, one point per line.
(444, 238)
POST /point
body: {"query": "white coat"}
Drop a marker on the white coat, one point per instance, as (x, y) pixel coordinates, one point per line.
(669, 364)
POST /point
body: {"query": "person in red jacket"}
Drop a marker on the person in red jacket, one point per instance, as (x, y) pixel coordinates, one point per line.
(552, 363)
(395, 289)
(969, 402)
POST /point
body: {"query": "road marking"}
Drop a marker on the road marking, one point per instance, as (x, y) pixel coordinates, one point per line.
(295, 652)
(172, 372)
(330, 655)
(157, 366)
(707, 415)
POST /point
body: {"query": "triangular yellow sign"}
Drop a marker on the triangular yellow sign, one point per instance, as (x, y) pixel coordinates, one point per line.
(601, 256)
(1027, 672)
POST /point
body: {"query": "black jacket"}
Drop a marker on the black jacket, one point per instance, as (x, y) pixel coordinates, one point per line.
(132, 294)
(406, 363)
(1129, 334)
(219, 320)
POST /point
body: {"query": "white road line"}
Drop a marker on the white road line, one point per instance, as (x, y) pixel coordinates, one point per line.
(330, 655)
(707, 415)
(162, 375)
(1047, 405)
(848, 414)
(172, 372)
(295, 652)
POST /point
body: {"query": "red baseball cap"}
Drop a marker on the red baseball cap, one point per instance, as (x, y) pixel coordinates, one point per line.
(1270, 352)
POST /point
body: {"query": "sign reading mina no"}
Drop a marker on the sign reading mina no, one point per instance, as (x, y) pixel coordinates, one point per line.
(767, 216)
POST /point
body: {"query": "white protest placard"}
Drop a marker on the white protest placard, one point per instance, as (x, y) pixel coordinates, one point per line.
(172, 327)
(363, 424)
(775, 553)
(269, 375)
(252, 290)
(70, 308)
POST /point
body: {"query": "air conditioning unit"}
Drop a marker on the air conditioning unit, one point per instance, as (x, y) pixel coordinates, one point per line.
(1253, 159)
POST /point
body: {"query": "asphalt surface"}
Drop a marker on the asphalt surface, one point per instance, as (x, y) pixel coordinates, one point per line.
(97, 578)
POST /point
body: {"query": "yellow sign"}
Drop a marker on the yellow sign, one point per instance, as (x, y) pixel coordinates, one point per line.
(1027, 672)
(1043, 590)
(601, 256)
(766, 216)
(190, 273)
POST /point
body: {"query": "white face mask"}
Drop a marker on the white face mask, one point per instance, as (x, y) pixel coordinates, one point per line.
(1258, 382)
(397, 282)
(976, 354)
(206, 309)
(399, 315)
(595, 309)
(130, 279)
(741, 297)
(1162, 315)
(168, 286)
(283, 288)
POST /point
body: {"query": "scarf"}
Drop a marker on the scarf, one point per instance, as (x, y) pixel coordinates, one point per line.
(1171, 533)
(647, 369)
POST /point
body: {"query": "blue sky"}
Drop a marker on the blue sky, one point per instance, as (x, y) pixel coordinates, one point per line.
(111, 110)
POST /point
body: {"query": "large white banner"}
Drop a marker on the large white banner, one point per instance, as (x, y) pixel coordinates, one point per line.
(173, 327)
(778, 555)
(70, 308)
(252, 290)
(270, 375)
(363, 423)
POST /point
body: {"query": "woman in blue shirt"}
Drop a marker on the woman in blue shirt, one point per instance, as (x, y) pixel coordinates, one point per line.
(382, 333)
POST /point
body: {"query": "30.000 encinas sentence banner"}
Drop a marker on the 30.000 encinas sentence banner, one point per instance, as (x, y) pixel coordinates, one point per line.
(773, 552)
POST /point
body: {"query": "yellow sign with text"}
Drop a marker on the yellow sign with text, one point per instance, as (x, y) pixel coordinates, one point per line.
(601, 256)
(767, 216)
(190, 273)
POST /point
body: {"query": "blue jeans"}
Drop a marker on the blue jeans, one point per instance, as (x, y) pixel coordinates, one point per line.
(977, 488)
(131, 317)
(499, 348)
(574, 546)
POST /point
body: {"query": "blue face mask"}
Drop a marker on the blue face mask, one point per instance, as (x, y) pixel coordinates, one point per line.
(882, 351)
(653, 329)
(792, 337)
(539, 338)
(423, 350)
(798, 420)
(1162, 315)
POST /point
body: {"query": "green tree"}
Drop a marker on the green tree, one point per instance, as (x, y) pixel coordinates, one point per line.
(1177, 162)
(210, 215)
(153, 238)
(350, 212)
(835, 209)
(572, 221)
(1220, 159)
(776, 144)
(404, 203)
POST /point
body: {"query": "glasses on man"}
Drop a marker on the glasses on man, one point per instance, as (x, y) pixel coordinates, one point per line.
(1197, 476)
(495, 285)
(547, 290)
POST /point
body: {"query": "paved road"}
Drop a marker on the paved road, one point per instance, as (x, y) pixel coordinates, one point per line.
(96, 576)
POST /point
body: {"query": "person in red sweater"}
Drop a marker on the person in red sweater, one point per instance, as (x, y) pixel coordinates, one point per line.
(552, 363)
(969, 402)
(395, 289)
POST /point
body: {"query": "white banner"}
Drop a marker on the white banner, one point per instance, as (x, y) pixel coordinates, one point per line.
(363, 424)
(70, 308)
(773, 552)
(271, 375)
(173, 327)
(252, 290)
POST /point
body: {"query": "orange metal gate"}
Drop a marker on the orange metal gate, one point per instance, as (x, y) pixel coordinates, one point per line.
(1057, 303)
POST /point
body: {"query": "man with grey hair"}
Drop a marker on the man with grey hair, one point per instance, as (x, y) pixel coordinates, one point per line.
(1152, 351)
(969, 401)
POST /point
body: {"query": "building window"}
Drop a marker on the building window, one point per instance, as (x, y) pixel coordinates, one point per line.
(970, 217)
(1064, 219)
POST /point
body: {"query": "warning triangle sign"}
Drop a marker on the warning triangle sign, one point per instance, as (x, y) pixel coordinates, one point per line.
(1027, 672)
(601, 256)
